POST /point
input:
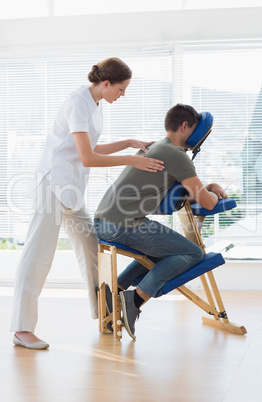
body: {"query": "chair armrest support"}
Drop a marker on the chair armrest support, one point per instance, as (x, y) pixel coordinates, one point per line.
(223, 205)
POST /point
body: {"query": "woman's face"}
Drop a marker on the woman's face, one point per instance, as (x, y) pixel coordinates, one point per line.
(111, 92)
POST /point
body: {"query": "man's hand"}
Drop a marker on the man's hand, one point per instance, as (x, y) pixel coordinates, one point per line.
(217, 189)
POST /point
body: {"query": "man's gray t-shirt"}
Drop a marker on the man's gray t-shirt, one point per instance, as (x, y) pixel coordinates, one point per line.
(136, 193)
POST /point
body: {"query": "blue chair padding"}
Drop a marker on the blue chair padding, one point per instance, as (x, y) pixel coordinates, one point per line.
(173, 201)
(223, 205)
(203, 128)
(177, 195)
(210, 261)
(123, 246)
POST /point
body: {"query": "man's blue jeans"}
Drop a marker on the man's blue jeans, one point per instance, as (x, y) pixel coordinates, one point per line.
(172, 253)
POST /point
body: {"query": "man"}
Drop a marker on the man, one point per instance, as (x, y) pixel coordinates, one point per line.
(121, 215)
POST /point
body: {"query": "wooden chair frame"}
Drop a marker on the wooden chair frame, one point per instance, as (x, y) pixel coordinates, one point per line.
(107, 258)
(192, 229)
(107, 271)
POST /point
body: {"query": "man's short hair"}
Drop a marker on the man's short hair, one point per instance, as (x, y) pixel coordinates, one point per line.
(178, 114)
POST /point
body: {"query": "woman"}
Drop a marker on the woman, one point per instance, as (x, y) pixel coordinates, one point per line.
(61, 177)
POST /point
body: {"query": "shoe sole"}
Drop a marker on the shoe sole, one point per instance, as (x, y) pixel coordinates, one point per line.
(123, 303)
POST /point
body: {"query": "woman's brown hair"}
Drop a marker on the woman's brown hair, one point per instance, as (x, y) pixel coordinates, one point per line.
(113, 69)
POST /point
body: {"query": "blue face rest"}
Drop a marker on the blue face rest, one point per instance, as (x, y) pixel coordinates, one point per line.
(201, 131)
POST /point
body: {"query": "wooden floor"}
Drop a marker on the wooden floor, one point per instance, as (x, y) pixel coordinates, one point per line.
(175, 356)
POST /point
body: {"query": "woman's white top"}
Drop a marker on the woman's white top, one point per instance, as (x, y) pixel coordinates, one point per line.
(60, 159)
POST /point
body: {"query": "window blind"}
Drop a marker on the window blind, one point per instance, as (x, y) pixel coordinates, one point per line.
(224, 80)
(227, 82)
(32, 90)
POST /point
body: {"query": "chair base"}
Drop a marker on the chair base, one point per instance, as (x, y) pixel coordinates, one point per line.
(107, 272)
(226, 326)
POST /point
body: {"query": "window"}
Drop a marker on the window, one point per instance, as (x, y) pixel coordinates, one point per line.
(204, 4)
(227, 82)
(23, 9)
(32, 90)
(13, 9)
(82, 7)
(224, 80)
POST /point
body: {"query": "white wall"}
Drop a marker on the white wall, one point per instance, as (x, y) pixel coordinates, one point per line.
(162, 27)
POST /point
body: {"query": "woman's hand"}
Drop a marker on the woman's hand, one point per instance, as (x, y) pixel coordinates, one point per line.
(139, 144)
(148, 164)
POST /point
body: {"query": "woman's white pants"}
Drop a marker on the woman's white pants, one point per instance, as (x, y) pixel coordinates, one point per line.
(37, 257)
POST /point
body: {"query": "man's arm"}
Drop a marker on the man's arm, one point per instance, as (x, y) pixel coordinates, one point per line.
(207, 196)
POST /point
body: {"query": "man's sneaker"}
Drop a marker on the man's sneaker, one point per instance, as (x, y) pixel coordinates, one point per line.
(130, 311)
(109, 305)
